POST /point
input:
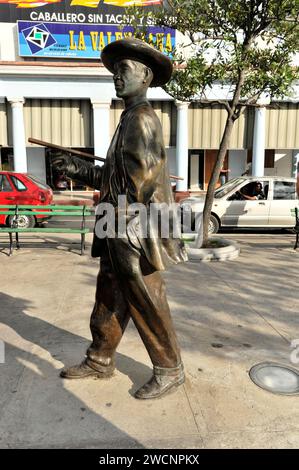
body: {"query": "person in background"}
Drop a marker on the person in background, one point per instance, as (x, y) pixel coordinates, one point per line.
(257, 192)
(61, 183)
(248, 169)
(224, 175)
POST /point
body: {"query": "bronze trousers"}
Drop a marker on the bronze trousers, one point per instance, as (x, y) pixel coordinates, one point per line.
(129, 287)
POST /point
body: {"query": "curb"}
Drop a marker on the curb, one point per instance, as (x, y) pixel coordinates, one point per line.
(230, 251)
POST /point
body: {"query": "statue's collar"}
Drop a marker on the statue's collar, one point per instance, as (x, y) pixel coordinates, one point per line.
(129, 108)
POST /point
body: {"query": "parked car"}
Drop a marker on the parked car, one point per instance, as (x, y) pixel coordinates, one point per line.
(21, 188)
(264, 202)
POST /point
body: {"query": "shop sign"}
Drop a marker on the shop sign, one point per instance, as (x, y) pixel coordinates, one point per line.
(42, 39)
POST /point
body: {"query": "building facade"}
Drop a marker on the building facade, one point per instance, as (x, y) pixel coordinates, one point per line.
(54, 88)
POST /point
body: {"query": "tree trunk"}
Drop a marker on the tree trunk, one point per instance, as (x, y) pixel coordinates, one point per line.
(215, 176)
(231, 117)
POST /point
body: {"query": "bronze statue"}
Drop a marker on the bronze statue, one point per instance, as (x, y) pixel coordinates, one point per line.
(129, 284)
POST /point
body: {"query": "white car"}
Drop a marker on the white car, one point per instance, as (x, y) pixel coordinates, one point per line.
(264, 202)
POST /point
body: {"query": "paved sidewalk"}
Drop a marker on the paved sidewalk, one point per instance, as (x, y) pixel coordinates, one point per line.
(228, 316)
(75, 198)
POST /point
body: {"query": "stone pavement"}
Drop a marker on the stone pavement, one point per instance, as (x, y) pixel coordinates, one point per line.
(228, 316)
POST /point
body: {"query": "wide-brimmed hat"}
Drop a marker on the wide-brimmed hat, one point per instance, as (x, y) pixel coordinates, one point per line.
(135, 49)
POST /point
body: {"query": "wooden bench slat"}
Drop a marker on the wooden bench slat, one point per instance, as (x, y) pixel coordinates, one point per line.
(43, 230)
(7, 212)
(53, 206)
(49, 214)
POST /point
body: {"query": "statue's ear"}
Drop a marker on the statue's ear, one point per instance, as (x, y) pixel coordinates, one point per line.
(148, 75)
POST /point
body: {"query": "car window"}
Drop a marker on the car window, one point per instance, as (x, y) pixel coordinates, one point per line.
(252, 191)
(256, 189)
(5, 185)
(20, 186)
(227, 187)
(39, 183)
(284, 190)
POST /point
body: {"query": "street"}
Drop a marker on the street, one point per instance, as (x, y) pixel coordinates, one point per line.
(73, 222)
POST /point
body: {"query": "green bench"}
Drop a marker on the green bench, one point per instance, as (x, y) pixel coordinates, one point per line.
(47, 211)
(294, 213)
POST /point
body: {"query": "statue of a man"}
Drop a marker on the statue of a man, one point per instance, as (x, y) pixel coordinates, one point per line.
(129, 283)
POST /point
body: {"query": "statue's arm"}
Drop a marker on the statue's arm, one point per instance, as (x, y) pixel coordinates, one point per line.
(78, 169)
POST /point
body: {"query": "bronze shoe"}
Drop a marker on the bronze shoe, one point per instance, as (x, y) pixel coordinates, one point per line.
(83, 370)
(162, 382)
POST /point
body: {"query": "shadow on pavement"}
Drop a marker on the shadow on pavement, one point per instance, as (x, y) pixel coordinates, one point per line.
(38, 409)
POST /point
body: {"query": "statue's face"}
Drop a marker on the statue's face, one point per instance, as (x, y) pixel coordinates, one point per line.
(129, 78)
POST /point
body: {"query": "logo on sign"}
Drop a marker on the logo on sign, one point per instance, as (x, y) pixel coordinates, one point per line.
(38, 38)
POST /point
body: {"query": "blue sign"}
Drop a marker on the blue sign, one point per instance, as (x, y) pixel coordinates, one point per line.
(81, 41)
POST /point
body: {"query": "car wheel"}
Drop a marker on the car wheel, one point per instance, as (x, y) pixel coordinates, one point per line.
(213, 225)
(23, 221)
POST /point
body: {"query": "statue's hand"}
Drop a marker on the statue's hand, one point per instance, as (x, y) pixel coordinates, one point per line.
(76, 168)
(61, 162)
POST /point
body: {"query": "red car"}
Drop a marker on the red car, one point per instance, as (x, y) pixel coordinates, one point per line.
(21, 188)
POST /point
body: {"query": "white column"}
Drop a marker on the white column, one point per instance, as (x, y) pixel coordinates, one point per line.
(182, 145)
(259, 136)
(101, 127)
(18, 134)
(258, 148)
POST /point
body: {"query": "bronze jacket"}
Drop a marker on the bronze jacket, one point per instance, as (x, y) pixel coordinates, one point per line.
(136, 166)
